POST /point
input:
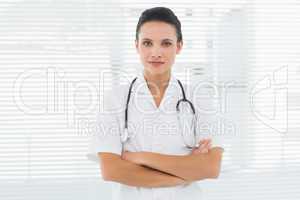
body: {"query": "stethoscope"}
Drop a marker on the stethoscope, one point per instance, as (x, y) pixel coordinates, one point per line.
(125, 137)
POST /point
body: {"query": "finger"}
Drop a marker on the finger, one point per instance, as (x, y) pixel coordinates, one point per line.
(201, 147)
(202, 151)
(201, 143)
(203, 140)
(204, 148)
(210, 145)
(205, 151)
(209, 142)
(205, 144)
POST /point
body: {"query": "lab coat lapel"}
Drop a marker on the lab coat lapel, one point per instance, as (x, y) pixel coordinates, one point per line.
(171, 92)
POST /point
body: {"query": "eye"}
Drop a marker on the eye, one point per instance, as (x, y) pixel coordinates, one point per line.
(146, 43)
(167, 43)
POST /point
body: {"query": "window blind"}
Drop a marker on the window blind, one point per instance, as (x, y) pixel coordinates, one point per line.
(58, 57)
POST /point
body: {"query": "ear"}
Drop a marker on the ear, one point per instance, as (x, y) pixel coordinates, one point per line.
(137, 46)
(179, 47)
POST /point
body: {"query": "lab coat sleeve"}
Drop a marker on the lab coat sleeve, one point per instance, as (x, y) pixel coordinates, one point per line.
(106, 135)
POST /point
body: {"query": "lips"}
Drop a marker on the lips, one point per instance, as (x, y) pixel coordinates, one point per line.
(156, 63)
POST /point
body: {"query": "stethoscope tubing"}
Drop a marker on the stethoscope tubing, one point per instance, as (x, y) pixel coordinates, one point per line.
(125, 135)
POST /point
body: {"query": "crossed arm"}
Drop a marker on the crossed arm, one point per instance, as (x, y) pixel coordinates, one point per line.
(146, 169)
(115, 169)
(191, 167)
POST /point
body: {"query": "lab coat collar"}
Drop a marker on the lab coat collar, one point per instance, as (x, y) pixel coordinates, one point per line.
(143, 88)
(172, 91)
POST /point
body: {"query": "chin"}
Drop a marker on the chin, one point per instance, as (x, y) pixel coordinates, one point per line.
(157, 71)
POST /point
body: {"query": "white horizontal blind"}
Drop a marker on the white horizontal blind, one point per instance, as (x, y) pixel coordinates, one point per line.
(52, 58)
(273, 69)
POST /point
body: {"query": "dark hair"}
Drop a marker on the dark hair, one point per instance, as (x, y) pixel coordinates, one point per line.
(162, 14)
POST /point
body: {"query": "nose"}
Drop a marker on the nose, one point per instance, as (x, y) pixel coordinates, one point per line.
(156, 52)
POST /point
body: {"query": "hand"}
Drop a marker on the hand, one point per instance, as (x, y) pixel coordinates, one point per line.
(131, 156)
(204, 146)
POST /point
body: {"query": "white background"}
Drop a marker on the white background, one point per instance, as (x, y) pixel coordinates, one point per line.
(57, 58)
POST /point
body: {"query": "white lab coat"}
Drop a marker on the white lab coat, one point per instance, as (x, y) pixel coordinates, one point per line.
(154, 130)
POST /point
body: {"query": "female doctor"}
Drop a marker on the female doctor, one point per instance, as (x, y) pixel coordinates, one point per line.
(141, 141)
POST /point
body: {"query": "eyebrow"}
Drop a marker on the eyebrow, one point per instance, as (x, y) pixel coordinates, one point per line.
(162, 40)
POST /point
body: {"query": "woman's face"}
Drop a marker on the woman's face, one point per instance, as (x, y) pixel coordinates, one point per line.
(157, 46)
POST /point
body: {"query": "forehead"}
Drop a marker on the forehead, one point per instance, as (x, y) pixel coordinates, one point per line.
(157, 31)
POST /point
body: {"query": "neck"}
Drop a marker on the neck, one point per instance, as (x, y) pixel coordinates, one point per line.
(159, 81)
